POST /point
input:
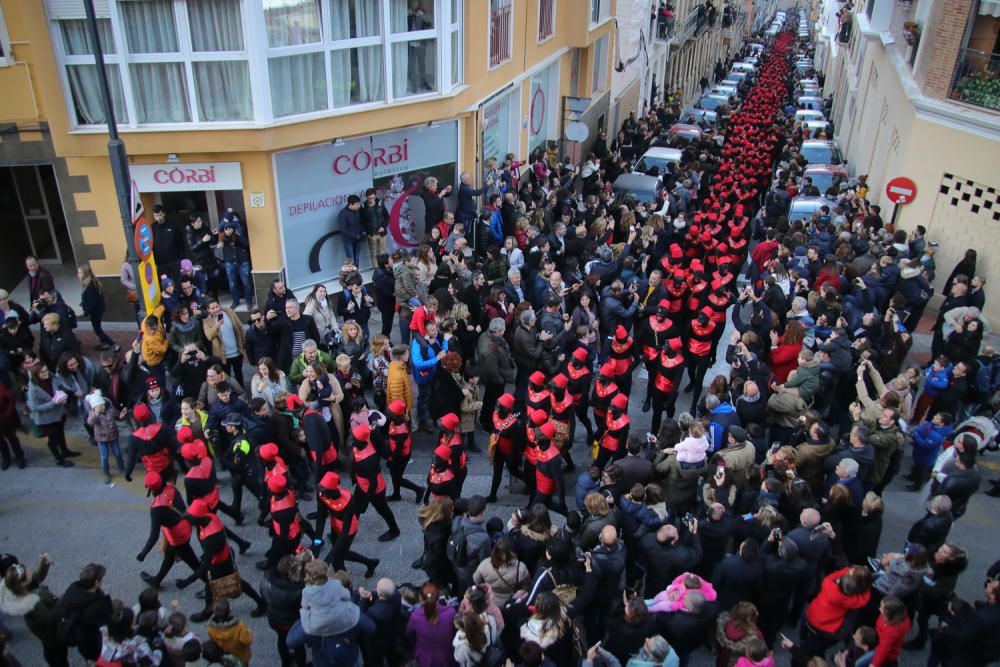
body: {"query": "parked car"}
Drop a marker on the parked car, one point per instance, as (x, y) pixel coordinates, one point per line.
(803, 208)
(809, 114)
(820, 151)
(685, 132)
(637, 186)
(712, 102)
(692, 115)
(826, 176)
(809, 102)
(658, 157)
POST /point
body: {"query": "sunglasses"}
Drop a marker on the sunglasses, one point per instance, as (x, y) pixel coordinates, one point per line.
(256, 319)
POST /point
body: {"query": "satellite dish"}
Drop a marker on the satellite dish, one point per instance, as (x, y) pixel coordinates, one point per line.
(577, 131)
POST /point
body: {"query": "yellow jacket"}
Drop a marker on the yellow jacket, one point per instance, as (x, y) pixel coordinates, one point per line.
(154, 343)
(398, 385)
(233, 637)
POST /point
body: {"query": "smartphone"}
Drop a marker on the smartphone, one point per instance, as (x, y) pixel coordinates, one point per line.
(748, 516)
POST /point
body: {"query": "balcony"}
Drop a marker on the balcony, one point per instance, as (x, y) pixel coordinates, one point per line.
(977, 79)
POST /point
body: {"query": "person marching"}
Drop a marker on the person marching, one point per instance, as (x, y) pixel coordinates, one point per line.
(549, 488)
(506, 443)
(441, 478)
(286, 524)
(658, 329)
(538, 396)
(338, 504)
(448, 424)
(667, 373)
(535, 419)
(166, 515)
(700, 334)
(615, 437)
(622, 358)
(369, 484)
(600, 398)
(200, 482)
(242, 466)
(217, 564)
(562, 418)
(400, 446)
(271, 461)
(319, 437)
(149, 443)
(578, 372)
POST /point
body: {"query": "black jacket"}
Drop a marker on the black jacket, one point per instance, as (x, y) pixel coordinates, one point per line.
(259, 343)
(283, 328)
(959, 486)
(782, 579)
(686, 632)
(664, 562)
(738, 580)
(284, 598)
(388, 618)
(435, 559)
(931, 531)
(85, 611)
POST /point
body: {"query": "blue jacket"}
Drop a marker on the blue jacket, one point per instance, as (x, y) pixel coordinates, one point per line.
(914, 290)
(424, 358)
(936, 382)
(637, 518)
(927, 441)
(350, 224)
(496, 228)
(722, 417)
(585, 485)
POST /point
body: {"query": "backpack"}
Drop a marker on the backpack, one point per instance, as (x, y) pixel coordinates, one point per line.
(457, 549)
(340, 650)
(987, 377)
(68, 628)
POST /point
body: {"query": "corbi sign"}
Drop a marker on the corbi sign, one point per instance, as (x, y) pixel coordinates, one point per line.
(901, 190)
(187, 177)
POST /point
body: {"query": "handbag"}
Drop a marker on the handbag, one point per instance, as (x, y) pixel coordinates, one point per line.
(131, 296)
(225, 587)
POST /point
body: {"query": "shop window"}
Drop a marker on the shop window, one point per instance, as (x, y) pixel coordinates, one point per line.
(501, 38)
(546, 19)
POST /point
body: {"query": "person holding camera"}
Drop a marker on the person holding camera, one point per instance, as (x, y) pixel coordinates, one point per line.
(226, 336)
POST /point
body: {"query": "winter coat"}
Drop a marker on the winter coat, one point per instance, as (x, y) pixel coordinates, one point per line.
(839, 349)
(496, 366)
(233, 636)
(752, 410)
(527, 350)
(885, 442)
(585, 485)
(806, 379)
(505, 581)
(327, 609)
(214, 336)
(783, 359)
(434, 560)
(828, 610)
(809, 462)
(424, 358)
(722, 418)
(679, 484)
(733, 641)
(664, 562)
(931, 531)
(104, 425)
(432, 641)
(446, 394)
(44, 410)
(284, 599)
(88, 611)
(737, 580)
(398, 385)
(927, 441)
(529, 546)
(899, 578)
(937, 381)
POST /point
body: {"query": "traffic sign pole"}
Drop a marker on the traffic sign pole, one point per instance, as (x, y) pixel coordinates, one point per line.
(900, 190)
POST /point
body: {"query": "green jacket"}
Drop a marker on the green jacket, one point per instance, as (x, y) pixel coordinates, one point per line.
(806, 379)
(885, 442)
(299, 366)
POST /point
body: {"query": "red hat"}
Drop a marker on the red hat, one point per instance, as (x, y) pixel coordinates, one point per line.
(716, 284)
(707, 310)
(277, 484)
(189, 451)
(153, 480)
(608, 369)
(548, 429)
(620, 401)
(268, 451)
(664, 303)
(537, 378)
(185, 434)
(362, 432)
(443, 452)
(675, 251)
(580, 354)
(538, 417)
(331, 480)
(507, 401)
(152, 383)
(621, 333)
(560, 381)
(198, 508)
(141, 413)
(450, 421)
(397, 407)
(293, 402)
(675, 344)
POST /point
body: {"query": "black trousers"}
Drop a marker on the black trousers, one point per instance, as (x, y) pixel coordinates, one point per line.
(381, 505)
(582, 418)
(341, 552)
(397, 467)
(172, 554)
(662, 402)
(501, 460)
(491, 394)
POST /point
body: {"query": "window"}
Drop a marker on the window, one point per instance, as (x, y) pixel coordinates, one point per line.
(501, 36)
(599, 10)
(600, 65)
(546, 19)
(6, 57)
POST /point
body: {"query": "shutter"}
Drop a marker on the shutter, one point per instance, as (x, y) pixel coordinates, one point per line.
(73, 9)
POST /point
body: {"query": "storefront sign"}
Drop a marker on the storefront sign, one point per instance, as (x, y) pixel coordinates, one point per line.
(313, 185)
(497, 126)
(179, 177)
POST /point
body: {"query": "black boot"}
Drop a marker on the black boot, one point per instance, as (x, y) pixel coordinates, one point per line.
(370, 566)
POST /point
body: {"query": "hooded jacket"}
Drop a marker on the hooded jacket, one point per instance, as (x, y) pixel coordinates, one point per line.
(233, 636)
(839, 349)
(828, 610)
(806, 379)
(327, 609)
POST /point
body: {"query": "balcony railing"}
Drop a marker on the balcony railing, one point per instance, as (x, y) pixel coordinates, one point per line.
(500, 32)
(977, 79)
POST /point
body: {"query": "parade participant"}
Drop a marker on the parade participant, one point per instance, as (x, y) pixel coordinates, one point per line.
(319, 437)
(271, 461)
(242, 466)
(338, 504)
(150, 443)
(562, 418)
(441, 478)
(700, 336)
(286, 524)
(578, 372)
(166, 515)
(538, 396)
(658, 329)
(549, 488)
(400, 445)
(622, 358)
(666, 383)
(506, 442)
(535, 420)
(450, 437)
(612, 445)
(217, 567)
(600, 398)
(200, 480)
(369, 482)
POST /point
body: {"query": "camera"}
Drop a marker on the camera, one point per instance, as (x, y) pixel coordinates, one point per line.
(687, 518)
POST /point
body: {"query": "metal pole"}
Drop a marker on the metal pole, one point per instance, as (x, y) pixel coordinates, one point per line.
(116, 147)
(895, 214)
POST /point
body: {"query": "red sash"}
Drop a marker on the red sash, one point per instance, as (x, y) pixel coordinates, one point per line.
(214, 526)
(504, 443)
(400, 442)
(664, 383)
(543, 482)
(337, 508)
(287, 502)
(364, 483)
(180, 532)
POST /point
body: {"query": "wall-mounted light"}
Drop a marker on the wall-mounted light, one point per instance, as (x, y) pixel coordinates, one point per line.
(338, 142)
(173, 157)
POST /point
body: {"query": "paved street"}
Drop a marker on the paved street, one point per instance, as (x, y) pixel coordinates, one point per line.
(73, 516)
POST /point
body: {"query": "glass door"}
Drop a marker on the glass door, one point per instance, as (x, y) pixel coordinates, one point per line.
(37, 216)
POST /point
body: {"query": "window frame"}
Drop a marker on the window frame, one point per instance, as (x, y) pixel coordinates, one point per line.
(7, 59)
(256, 53)
(599, 84)
(552, 10)
(509, 4)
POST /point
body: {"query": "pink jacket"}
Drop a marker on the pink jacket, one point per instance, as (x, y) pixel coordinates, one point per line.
(672, 599)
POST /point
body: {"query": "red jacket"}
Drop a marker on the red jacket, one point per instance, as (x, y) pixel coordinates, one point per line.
(784, 359)
(826, 613)
(890, 640)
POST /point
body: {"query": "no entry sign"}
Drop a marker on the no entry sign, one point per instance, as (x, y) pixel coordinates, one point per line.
(901, 190)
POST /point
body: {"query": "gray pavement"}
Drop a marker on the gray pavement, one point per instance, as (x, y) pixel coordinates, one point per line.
(73, 516)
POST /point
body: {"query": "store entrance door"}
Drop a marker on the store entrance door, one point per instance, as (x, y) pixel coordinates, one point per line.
(210, 204)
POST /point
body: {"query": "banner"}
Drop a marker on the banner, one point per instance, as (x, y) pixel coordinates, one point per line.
(149, 284)
(313, 185)
(497, 126)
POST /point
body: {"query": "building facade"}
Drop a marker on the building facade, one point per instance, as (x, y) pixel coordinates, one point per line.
(917, 94)
(279, 110)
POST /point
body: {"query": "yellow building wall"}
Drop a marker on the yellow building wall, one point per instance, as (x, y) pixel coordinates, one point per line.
(19, 94)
